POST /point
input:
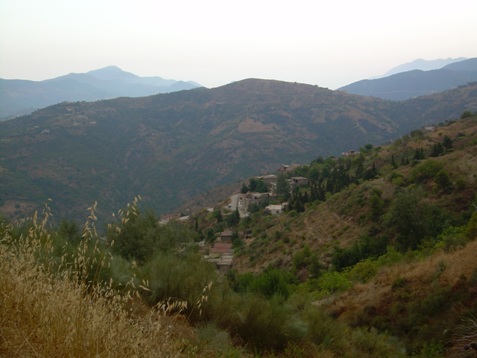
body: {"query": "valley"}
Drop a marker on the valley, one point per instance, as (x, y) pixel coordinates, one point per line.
(170, 148)
(372, 255)
(258, 218)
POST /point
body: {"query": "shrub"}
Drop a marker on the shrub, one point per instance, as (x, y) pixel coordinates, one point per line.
(261, 323)
(51, 313)
(364, 270)
(333, 281)
(183, 278)
(471, 228)
(365, 247)
(442, 180)
(425, 170)
(413, 221)
(452, 238)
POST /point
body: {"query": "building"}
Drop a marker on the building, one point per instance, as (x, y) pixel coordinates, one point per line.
(299, 181)
(269, 179)
(168, 217)
(226, 236)
(225, 262)
(276, 209)
(249, 199)
(221, 254)
(349, 153)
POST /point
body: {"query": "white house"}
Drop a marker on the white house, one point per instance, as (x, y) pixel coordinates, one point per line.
(276, 209)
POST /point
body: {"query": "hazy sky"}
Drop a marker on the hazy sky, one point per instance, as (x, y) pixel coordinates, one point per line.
(214, 42)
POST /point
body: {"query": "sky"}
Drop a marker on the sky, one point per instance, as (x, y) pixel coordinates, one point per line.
(214, 42)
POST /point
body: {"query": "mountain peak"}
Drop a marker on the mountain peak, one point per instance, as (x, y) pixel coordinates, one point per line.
(111, 73)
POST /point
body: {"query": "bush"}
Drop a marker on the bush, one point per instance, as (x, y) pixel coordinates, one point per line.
(425, 170)
(365, 247)
(413, 221)
(333, 281)
(261, 323)
(183, 278)
(52, 313)
(442, 180)
(364, 270)
(471, 228)
(271, 282)
(452, 238)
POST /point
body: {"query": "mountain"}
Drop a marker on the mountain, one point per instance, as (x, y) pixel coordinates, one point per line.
(169, 148)
(423, 65)
(374, 256)
(416, 83)
(390, 247)
(18, 97)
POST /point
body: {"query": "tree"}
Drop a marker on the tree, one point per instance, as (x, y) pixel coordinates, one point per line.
(283, 187)
(370, 173)
(366, 149)
(447, 143)
(377, 206)
(257, 185)
(137, 235)
(419, 154)
(437, 149)
(442, 180)
(393, 162)
(404, 217)
(414, 221)
(218, 215)
(233, 219)
(425, 170)
(272, 282)
(70, 231)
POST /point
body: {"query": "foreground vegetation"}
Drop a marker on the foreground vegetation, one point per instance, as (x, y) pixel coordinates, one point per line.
(67, 293)
(374, 258)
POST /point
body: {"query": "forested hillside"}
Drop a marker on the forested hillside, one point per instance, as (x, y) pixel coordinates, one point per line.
(373, 257)
(171, 148)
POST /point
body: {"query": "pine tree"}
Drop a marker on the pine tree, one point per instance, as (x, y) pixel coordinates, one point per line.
(393, 162)
(447, 143)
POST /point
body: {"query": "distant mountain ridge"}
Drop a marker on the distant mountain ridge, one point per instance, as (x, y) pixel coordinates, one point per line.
(415, 83)
(18, 97)
(423, 65)
(170, 148)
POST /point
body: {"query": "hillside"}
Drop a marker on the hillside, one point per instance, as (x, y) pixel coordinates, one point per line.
(173, 147)
(372, 257)
(387, 247)
(414, 83)
(19, 97)
(348, 214)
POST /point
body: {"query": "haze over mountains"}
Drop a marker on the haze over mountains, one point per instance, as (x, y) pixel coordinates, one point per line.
(172, 147)
(18, 97)
(416, 82)
(423, 65)
(417, 78)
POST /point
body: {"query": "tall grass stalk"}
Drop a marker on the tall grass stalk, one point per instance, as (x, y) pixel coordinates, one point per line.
(52, 312)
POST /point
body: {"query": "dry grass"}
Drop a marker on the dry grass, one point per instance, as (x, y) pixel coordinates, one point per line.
(444, 269)
(45, 315)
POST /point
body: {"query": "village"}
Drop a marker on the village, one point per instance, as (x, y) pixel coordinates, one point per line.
(221, 251)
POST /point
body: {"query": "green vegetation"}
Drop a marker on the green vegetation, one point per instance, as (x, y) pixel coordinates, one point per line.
(375, 258)
(174, 148)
